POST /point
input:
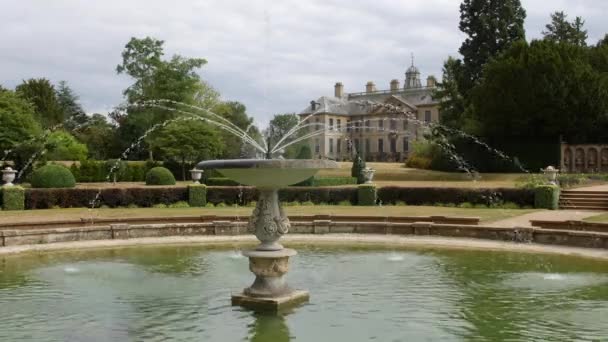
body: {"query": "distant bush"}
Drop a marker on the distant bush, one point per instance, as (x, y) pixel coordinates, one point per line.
(334, 181)
(53, 176)
(488, 197)
(180, 204)
(160, 176)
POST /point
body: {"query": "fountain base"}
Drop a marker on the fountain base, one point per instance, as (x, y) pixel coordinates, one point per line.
(269, 291)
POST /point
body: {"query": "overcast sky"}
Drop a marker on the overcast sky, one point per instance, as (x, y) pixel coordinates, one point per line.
(273, 56)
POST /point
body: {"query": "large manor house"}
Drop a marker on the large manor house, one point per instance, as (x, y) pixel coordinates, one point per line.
(350, 125)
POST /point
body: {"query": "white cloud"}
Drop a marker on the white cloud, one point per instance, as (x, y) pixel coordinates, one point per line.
(274, 56)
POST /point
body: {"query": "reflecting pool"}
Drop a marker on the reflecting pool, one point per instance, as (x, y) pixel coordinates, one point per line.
(182, 293)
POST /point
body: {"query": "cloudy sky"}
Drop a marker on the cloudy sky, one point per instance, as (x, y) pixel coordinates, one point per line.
(273, 56)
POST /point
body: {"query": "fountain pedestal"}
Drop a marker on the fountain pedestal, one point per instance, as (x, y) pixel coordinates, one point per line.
(269, 290)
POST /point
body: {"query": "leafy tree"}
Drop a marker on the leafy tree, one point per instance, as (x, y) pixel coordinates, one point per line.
(63, 146)
(491, 26)
(174, 79)
(452, 105)
(41, 93)
(236, 113)
(562, 31)
(188, 142)
(540, 91)
(99, 136)
(598, 57)
(72, 110)
(279, 126)
(17, 127)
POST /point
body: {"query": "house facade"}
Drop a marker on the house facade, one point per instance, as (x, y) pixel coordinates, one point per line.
(379, 125)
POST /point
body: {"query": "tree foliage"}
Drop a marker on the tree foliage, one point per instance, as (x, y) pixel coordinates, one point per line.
(542, 90)
(73, 113)
(99, 136)
(452, 102)
(18, 127)
(560, 30)
(491, 26)
(278, 128)
(236, 113)
(61, 145)
(188, 142)
(41, 93)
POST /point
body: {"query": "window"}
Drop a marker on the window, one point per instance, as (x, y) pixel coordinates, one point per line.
(357, 126)
(331, 124)
(338, 145)
(348, 125)
(367, 125)
(338, 124)
(406, 145)
(317, 146)
(367, 147)
(405, 124)
(331, 145)
(393, 125)
(380, 124)
(316, 126)
(380, 145)
(393, 143)
(427, 116)
(357, 145)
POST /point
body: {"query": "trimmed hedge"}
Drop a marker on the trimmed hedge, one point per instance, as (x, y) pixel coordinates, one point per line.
(111, 197)
(489, 197)
(229, 195)
(13, 198)
(367, 194)
(98, 170)
(546, 197)
(53, 176)
(221, 181)
(160, 176)
(197, 195)
(334, 181)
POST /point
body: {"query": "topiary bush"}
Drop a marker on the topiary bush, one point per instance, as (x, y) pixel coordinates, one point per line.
(53, 176)
(355, 171)
(221, 181)
(197, 195)
(13, 198)
(546, 197)
(366, 194)
(159, 176)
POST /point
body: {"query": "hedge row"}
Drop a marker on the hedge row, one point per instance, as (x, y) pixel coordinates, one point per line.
(97, 171)
(419, 196)
(147, 197)
(112, 197)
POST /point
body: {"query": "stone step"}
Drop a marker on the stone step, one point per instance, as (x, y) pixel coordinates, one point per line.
(584, 207)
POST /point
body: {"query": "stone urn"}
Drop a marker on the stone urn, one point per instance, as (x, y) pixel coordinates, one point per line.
(8, 176)
(551, 173)
(368, 175)
(196, 175)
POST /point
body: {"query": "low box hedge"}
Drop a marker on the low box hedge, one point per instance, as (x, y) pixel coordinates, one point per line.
(220, 181)
(13, 198)
(367, 194)
(430, 195)
(197, 195)
(546, 197)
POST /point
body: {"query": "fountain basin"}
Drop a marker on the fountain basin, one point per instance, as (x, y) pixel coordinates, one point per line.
(263, 173)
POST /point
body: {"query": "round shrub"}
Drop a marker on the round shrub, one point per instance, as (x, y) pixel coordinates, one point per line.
(159, 176)
(53, 176)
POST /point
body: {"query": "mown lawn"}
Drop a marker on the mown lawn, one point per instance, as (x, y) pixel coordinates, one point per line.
(598, 218)
(486, 215)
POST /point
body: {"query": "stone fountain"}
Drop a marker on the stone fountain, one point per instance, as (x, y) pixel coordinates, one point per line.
(269, 261)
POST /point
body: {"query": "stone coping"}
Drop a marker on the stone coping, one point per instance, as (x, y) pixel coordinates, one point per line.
(210, 218)
(571, 225)
(124, 231)
(268, 164)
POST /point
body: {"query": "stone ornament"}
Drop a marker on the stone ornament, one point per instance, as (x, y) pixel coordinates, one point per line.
(196, 175)
(368, 175)
(8, 176)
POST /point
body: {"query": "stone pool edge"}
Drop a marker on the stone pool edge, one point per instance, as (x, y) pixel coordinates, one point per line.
(371, 240)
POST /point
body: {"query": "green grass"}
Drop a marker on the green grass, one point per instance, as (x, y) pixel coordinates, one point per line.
(486, 215)
(602, 218)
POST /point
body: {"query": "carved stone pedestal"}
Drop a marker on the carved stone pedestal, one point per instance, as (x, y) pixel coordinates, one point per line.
(269, 291)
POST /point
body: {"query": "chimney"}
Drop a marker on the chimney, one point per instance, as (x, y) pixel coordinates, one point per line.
(339, 90)
(395, 85)
(370, 87)
(431, 82)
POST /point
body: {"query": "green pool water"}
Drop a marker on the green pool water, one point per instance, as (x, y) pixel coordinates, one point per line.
(183, 294)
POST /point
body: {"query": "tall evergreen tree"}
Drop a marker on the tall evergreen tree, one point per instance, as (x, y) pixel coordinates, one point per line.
(491, 26)
(41, 93)
(562, 31)
(72, 110)
(452, 105)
